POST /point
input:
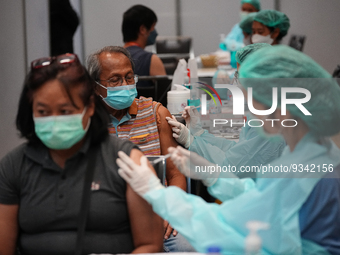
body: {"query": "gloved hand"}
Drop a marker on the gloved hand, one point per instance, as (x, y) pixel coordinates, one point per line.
(193, 120)
(140, 177)
(180, 132)
(192, 165)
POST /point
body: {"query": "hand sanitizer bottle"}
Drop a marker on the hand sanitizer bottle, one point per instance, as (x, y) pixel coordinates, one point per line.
(253, 242)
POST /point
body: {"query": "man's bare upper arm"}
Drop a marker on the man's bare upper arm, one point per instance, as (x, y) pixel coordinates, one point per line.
(146, 226)
(173, 175)
(156, 66)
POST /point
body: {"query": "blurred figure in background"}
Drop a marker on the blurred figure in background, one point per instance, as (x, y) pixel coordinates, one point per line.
(139, 31)
(336, 75)
(63, 24)
(234, 39)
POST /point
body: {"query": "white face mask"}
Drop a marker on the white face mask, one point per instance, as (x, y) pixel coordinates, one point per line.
(247, 41)
(243, 14)
(262, 39)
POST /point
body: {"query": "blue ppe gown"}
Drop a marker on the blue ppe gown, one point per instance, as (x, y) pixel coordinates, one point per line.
(251, 150)
(276, 198)
(234, 40)
(319, 217)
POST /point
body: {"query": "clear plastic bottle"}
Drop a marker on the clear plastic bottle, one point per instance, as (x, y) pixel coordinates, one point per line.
(233, 61)
(194, 92)
(221, 76)
(215, 108)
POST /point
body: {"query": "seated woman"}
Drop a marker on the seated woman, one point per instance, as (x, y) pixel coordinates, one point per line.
(269, 26)
(41, 181)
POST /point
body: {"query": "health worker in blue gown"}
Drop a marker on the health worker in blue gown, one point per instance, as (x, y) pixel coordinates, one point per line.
(235, 39)
(298, 194)
(252, 149)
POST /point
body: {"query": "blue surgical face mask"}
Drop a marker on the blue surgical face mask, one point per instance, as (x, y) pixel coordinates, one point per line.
(152, 38)
(120, 97)
(60, 132)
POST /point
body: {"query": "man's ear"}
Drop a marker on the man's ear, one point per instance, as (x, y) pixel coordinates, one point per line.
(143, 30)
(96, 90)
(275, 33)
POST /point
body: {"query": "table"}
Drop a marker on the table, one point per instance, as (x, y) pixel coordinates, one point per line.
(206, 72)
(209, 72)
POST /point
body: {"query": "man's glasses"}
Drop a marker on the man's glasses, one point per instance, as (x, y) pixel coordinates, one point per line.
(118, 81)
(63, 59)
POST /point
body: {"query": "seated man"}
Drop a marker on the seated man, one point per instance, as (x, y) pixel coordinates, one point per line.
(138, 32)
(142, 120)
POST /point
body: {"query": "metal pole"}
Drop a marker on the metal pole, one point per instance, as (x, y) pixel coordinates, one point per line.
(277, 5)
(178, 14)
(25, 36)
(82, 41)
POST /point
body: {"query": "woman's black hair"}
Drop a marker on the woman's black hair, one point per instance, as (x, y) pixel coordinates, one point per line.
(70, 75)
(279, 37)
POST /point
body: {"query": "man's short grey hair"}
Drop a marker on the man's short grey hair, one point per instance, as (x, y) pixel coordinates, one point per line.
(93, 64)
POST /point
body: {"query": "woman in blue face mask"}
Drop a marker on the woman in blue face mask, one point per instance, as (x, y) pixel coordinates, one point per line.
(42, 181)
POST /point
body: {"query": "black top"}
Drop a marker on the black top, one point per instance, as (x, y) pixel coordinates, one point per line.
(63, 25)
(142, 60)
(49, 199)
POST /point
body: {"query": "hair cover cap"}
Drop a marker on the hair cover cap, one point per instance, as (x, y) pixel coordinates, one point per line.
(281, 66)
(243, 53)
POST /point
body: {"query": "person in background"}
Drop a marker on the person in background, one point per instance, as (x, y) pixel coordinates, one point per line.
(41, 181)
(246, 25)
(336, 72)
(139, 31)
(269, 26)
(63, 25)
(142, 121)
(234, 40)
(252, 149)
(336, 76)
(301, 207)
